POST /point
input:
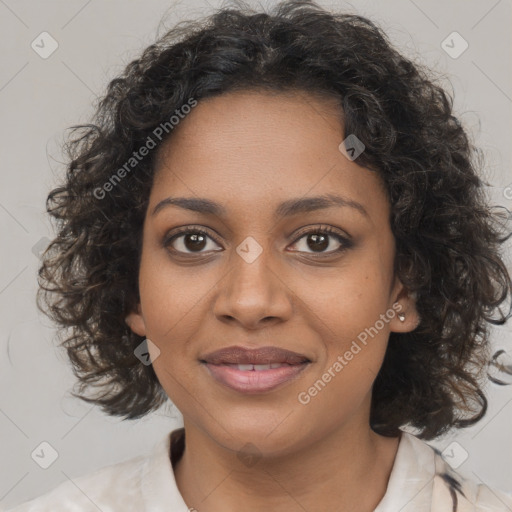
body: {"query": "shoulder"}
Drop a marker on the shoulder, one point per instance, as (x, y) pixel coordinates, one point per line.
(116, 484)
(462, 494)
(467, 494)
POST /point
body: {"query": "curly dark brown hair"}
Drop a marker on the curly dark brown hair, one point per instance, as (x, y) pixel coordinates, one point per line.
(448, 239)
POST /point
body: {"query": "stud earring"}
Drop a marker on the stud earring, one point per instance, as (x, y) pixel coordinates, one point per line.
(401, 317)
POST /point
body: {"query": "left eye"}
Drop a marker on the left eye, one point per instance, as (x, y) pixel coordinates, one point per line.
(318, 241)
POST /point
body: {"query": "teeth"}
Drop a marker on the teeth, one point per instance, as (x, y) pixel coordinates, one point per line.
(245, 367)
(257, 367)
(262, 367)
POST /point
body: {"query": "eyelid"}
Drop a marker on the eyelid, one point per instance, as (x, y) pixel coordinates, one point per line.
(321, 228)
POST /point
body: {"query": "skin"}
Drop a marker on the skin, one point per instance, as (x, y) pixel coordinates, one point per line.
(250, 151)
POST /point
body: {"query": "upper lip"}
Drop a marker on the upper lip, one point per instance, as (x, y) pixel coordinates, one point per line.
(262, 355)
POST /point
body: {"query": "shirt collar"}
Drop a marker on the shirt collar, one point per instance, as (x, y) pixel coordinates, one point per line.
(159, 488)
(410, 483)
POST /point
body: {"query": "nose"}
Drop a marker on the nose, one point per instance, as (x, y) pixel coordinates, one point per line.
(253, 294)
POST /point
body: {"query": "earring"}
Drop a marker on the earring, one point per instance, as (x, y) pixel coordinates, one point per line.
(401, 317)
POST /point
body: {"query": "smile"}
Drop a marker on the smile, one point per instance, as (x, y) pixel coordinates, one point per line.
(255, 378)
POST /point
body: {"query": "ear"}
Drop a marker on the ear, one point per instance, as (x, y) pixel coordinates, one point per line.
(135, 321)
(404, 304)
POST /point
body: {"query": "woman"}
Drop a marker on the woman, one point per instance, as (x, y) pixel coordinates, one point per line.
(283, 216)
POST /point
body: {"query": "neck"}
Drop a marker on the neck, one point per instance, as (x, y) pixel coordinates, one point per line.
(346, 470)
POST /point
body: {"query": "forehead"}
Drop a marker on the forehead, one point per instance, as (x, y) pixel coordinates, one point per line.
(246, 148)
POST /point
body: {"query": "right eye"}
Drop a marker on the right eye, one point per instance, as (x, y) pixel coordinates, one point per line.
(189, 241)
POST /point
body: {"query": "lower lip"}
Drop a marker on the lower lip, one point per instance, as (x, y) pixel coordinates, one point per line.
(254, 381)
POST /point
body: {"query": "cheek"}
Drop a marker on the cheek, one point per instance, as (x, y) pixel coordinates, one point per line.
(174, 305)
(355, 346)
(346, 314)
(347, 303)
(172, 298)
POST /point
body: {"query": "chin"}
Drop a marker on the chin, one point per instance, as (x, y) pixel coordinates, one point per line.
(265, 434)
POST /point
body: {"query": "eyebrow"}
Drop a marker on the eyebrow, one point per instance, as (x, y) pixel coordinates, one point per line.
(284, 209)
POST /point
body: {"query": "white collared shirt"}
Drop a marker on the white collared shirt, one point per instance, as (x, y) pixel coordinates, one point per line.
(420, 481)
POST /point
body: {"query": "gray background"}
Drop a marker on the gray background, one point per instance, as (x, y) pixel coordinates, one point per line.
(39, 98)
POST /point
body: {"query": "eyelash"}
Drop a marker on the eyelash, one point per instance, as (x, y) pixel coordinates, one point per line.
(322, 230)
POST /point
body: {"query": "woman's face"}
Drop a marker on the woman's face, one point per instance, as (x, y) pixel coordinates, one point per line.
(266, 274)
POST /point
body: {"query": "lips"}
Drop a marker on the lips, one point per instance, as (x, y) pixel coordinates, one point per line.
(254, 370)
(259, 356)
